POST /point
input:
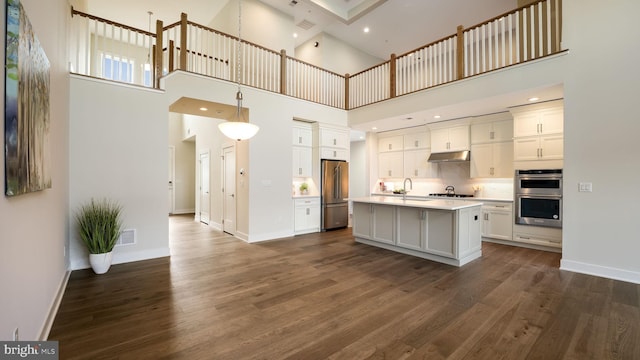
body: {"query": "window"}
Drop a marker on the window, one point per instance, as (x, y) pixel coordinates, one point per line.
(118, 69)
(146, 75)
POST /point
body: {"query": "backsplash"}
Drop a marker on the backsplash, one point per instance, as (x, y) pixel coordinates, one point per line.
(458, 176)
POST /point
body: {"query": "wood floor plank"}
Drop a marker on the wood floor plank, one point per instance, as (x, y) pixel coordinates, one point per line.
(324, 296)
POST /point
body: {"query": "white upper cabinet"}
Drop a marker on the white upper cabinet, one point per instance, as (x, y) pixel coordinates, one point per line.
(492, 131)
(417, 166)
(538, 132)
(492, 160)
(302, 161)
(334, 138)
(450, 139)
(391, 143)
(419, 140)
(302, 135)
(390, 164)
(541, 119)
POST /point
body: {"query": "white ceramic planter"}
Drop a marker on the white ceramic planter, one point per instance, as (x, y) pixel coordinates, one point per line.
(100, 263)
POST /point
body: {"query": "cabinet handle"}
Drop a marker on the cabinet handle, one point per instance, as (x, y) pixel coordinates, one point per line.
(389, 172)
(299, 171)
(448, 145)
(299, 139)
(308, 211)
(334, 142)
(492, 135)
(416, 143)
(491, 171)
(541, 128)
(389, 146)
(415, 172)
(335, 153)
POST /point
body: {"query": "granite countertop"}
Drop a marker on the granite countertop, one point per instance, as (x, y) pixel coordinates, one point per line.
(437, 204)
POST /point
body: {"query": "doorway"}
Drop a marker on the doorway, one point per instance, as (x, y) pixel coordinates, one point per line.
(229, 189)
(205, 193)
(172, 175)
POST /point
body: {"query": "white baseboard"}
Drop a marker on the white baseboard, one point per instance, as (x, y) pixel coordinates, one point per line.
(140, 255)
(602, 271)
(183, 211)
(268, 236)
(53, 309)
(121, 258)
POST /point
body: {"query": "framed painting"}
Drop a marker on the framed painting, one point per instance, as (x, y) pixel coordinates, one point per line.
(26, 119)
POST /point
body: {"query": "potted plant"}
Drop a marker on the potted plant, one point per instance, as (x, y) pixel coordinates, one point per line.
(99, 226)
(304, 188)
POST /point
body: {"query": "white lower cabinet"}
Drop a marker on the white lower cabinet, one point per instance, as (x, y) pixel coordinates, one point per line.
(440, 232)
(546, 237)
(375, 222)
(426, 230)
(362, 220)
(306, 215)
(383, 219)
(411, 228)
(497, 220)
(448, 236)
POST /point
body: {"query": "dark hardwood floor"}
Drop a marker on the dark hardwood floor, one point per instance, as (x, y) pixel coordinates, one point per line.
(323, 296)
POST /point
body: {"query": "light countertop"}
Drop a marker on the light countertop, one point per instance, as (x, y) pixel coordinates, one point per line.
(437, 204)
(427, 197)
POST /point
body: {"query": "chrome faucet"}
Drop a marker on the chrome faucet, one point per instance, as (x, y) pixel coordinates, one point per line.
(404, 186)
(450, 190)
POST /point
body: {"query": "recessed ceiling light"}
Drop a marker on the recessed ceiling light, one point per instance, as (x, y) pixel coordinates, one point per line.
(295, 35)
(366, 29)
(203, 109)
(374, 128)
(436, 116)
(534, 99)
(361, 137)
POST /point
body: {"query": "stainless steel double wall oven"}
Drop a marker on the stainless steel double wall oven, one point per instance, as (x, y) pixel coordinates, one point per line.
(538, 197)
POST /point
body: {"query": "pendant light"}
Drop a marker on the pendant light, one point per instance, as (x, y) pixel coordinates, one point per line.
(238, 128)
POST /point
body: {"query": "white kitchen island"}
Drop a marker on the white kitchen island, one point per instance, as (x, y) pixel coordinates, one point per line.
(443, 230)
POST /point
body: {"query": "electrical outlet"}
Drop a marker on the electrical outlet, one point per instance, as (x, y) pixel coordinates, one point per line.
(16, 336)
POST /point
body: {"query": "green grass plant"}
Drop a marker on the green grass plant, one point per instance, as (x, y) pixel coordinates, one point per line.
(99, 225)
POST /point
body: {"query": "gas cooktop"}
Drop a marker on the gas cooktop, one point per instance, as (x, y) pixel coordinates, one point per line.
(452, 195)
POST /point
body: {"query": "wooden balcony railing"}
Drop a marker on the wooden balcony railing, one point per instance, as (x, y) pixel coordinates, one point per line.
(102, 48)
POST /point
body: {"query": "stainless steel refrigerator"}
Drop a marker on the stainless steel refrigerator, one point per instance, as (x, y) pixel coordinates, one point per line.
(335, 192)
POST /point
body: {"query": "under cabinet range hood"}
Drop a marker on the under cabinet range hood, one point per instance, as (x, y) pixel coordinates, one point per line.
(453, 156)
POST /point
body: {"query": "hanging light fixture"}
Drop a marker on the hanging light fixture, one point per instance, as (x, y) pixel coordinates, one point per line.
(238, 128)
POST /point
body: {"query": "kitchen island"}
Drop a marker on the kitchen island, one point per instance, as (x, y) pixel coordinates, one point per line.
(447, 231)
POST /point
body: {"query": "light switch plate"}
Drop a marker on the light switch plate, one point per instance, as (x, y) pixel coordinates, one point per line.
(585, 187)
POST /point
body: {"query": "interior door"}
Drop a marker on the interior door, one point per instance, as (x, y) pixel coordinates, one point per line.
(172, 154)
(229, 190)
(205, 193)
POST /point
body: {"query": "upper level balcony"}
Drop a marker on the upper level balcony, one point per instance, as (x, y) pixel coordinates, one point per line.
(104, 49)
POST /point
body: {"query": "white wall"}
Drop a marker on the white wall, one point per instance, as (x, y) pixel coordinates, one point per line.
(184, 167)
(33, 227)
(358, 179)
(118, 138)
(601, 138)
(335, 55)
(268, 27)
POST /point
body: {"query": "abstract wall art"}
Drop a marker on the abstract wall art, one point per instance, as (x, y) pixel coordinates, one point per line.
(26, 122)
